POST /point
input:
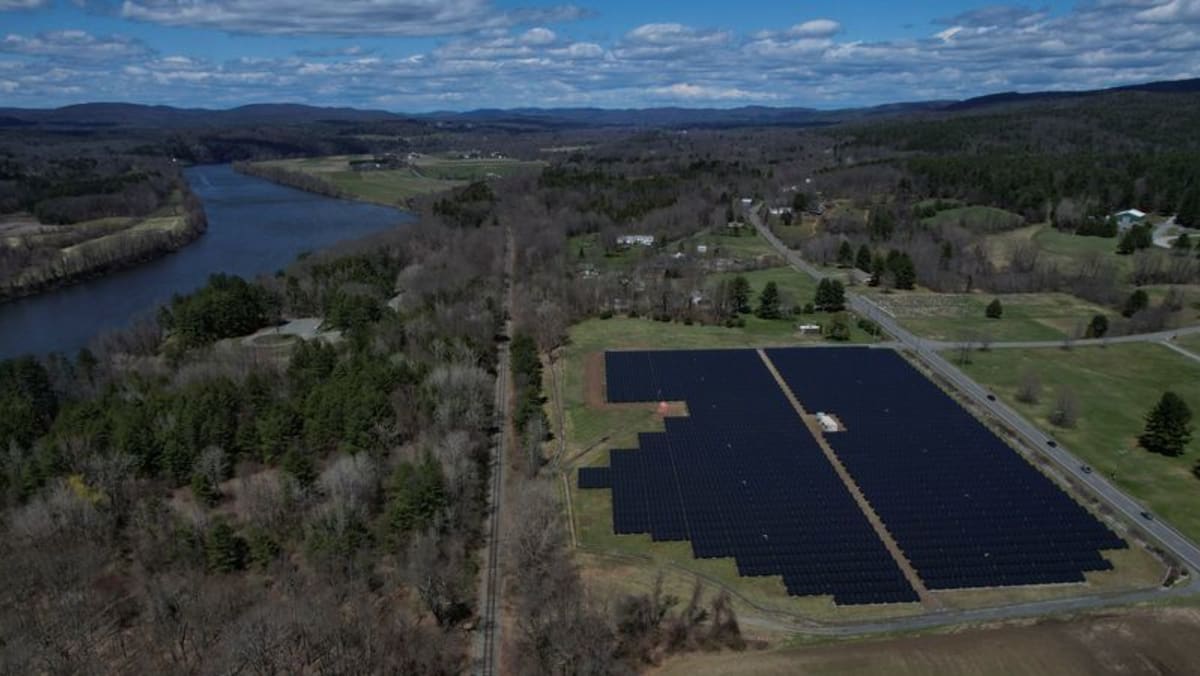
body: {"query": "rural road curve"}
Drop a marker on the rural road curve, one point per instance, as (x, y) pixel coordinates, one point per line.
(1174, 541)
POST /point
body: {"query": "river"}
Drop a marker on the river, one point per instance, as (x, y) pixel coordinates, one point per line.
(254, 227)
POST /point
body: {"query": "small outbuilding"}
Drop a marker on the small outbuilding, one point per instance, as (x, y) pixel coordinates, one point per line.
(1129, 218)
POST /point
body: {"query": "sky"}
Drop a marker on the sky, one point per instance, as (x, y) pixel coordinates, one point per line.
(423, 55)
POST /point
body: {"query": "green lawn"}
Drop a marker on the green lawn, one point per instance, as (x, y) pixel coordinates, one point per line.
(747, 244)
(1191, 343)
(1115, 386)
(1026, 316)
(977, 218)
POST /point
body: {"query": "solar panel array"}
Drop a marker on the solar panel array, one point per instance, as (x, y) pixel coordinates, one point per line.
(594, 477)
(965, 508)
(742, 477)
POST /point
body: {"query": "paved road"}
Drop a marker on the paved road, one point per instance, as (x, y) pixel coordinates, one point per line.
(1172, 540)
(488, 641)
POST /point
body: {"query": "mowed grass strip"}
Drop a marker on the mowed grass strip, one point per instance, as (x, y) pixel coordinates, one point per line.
(1116, 386)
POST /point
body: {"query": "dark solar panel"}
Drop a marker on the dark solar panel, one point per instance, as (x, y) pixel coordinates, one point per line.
(742, 477)
(594, 477)
(967, 510)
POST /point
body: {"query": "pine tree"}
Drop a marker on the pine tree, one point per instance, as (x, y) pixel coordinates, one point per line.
(1189, 209)
(994, 309)
(845, 256)
(830, 296)
(224, 550)
(1137, 301)
(1168, 428)
(768, 302)
(902, 270)
(1182, 244)
(1097, 327)
(878, 268)
(739, 294)
(863, 260)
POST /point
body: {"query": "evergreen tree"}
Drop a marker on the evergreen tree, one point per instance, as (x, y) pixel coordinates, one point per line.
(769, 302)
(1182, 244)
(1189, 210)
(830, 296)
(224, 550)
(901, 267)
(863, 260)
(739, 294)
(1168, 429)
(881, 224)
(1136, 238)
(1097, 327)
(800, 202)
(878, 268)
(994, 309)
(1137, 301)
(845, 255)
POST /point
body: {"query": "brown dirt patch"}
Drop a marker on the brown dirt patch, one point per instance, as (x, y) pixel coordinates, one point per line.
(1136, 641)
(595, 393)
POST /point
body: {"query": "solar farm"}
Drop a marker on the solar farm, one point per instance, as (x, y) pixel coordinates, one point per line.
(906, 495)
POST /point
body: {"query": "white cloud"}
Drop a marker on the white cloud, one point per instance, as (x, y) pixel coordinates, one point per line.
(817, 28)
(15, 5)
(1099, 43)
(538, 36)
(74, 45)
(343, 17)
(694, 92)
(1174, 10)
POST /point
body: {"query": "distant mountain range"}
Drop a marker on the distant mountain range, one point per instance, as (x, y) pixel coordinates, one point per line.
(131, 115)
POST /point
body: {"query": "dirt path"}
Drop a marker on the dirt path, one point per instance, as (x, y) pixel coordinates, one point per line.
(910, 573)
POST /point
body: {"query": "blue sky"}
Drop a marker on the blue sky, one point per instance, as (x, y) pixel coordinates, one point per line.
(419, 55)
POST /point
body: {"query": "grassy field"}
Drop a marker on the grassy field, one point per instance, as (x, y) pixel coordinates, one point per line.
(1028, 316)
(1191, 343)
(1115, 386)
(427, 174)
(976, 218)
(1132, 641)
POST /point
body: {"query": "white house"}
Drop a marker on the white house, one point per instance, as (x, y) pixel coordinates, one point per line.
(779, 211)
(701, 248)
(635, 240)
(1129, 218)
(746, 201)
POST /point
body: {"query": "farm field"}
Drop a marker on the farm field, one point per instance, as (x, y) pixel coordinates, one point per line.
(1114, 398)
(1133, 641)
(427, 174)
(961, 317)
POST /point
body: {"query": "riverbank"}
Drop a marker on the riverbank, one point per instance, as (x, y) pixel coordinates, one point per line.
(94, 249)
(254, 227)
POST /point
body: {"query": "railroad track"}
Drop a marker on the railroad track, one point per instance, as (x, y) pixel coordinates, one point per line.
(490, 638)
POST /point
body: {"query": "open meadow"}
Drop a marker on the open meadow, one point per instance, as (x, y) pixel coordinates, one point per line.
(1114, 387)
